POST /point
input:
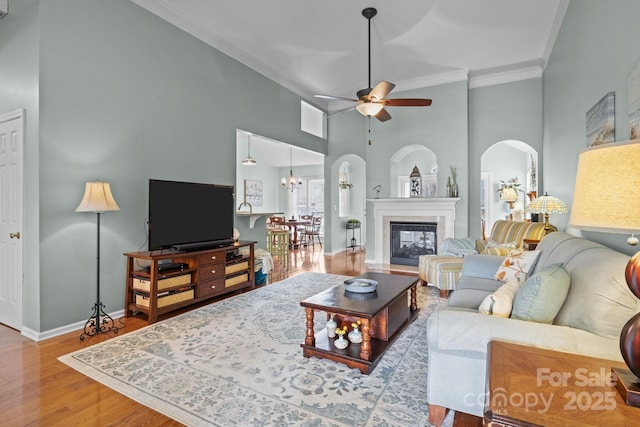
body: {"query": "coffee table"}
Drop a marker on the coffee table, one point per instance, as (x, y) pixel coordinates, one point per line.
(383, 315)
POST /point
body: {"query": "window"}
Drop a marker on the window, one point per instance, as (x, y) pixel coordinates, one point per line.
(312, 120)
(309, 198)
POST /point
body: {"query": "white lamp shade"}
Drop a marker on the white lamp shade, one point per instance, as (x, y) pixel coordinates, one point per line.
(606, 192)
(97, 198)
(509, 194)
(369, 108)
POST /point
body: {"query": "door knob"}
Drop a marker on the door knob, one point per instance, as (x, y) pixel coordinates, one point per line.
(15, 235)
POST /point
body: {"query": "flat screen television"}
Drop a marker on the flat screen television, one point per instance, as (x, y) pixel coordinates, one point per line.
(187, 216)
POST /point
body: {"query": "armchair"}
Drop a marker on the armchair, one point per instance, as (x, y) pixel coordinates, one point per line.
(444, 270)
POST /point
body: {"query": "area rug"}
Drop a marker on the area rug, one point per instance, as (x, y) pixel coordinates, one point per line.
(238, 362)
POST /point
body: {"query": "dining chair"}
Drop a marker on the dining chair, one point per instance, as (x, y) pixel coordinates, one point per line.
(313, 230)
(305, 221)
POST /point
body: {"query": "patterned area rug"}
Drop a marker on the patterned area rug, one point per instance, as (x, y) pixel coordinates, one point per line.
(238, 362)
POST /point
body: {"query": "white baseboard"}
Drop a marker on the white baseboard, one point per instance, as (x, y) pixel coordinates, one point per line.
(78, 326)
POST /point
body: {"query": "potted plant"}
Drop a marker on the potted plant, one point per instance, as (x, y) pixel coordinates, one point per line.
(353, 223)
(345, 185)
(512, 183)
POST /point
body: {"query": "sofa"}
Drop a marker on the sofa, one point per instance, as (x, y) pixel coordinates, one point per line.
(443, 270)
(582, 280)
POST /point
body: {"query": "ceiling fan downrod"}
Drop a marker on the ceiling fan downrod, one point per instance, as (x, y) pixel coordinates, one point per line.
(369, 13)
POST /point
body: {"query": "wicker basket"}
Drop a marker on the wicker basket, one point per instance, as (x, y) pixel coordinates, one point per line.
(144, 285)
(163, 301)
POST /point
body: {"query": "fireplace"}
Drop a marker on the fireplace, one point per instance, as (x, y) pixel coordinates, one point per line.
(440, 211)
(409, 240)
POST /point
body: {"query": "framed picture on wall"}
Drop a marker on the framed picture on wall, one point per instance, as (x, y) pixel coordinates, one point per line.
(253, 192)
(633, 86)
(601, 128)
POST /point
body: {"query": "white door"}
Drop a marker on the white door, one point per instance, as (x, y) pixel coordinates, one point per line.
(11, 144)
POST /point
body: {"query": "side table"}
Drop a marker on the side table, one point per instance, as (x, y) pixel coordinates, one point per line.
(353, 227)
(530, 244)
(529, 386)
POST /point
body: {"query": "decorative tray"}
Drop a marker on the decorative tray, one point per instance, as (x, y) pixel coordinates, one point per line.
(360, 286)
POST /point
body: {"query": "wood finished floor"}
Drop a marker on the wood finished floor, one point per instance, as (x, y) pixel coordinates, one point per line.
(38, 390)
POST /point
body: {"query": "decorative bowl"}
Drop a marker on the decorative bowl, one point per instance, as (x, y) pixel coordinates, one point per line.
(360, 286)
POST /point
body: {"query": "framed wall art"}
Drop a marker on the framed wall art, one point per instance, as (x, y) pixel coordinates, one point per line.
(253, 192)
(601, 118)
(633, 86)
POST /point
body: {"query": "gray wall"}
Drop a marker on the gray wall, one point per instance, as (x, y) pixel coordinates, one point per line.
(497, 113)
(123, 97)
(442, 127)
(112, 92)
(346, 135)
(595, 51)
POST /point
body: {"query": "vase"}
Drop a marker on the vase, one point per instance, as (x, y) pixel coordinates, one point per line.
(341, 342)
(355, 336)
(454, 189)
(331, 327)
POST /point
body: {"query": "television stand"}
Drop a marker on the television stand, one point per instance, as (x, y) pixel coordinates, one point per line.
(154, 290)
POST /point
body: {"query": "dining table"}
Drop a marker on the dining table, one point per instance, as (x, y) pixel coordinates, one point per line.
(293, 224)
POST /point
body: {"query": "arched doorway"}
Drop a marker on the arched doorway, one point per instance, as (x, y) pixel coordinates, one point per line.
(508, 163)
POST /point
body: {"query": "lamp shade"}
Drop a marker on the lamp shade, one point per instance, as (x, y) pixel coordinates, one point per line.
(97, 198)
(547, 205)
(369, 108)
(508, 194)
(606, 197)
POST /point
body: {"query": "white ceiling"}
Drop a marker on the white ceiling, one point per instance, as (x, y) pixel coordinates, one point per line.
(320, 47)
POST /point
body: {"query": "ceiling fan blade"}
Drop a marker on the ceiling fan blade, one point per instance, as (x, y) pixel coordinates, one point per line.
(335, 98)
(383, 115)
(381, 90)
(340, 111)
(407, 102)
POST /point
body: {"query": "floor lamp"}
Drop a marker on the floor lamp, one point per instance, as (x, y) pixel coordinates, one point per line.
(606, 199)
(509, 195)
(98, 198)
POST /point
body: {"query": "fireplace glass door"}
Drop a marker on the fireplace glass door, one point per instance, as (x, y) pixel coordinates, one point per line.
(409, 240)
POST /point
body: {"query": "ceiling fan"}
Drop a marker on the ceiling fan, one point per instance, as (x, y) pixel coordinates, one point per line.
(371, 101)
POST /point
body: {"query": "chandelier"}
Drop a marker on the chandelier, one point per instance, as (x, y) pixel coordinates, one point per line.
(290, 183)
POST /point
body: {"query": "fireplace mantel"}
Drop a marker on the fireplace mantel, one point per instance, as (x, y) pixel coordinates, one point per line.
(441, 210)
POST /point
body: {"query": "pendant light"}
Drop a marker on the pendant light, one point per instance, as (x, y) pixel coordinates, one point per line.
(249, 161)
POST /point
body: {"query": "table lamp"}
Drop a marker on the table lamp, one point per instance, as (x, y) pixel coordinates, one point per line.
(98, 198)
(547, 205)
(509, 195)
(606, 200)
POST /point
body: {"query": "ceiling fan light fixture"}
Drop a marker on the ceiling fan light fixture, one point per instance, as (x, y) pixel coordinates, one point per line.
(369, 108)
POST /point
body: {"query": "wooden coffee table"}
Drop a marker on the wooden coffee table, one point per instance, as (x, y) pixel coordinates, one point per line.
(528, 386)
(383, 315)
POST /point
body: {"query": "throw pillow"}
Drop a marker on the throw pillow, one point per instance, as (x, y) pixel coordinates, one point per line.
(517, 265)
(542, 295)
(501, 249)
(500, 302)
